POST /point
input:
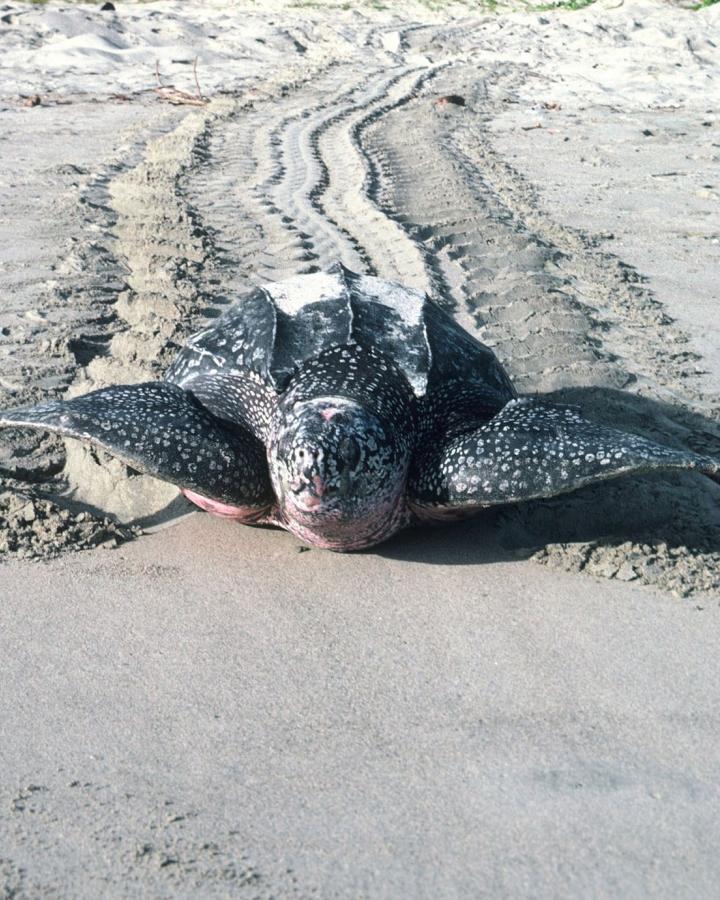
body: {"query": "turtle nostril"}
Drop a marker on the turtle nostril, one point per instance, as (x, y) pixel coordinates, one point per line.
(349, 452)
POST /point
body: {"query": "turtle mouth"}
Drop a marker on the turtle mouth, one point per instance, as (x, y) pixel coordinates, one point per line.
(305, 500)
(307, 496)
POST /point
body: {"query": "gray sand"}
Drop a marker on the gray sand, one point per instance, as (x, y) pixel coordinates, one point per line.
(197, 715)
(519, 706)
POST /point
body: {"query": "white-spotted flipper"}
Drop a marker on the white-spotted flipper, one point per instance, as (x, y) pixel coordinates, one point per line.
(241, 398)
(529, 450)
(342, 407)
(160, 429)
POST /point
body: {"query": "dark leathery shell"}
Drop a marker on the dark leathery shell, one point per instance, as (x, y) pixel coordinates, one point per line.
(272, 331)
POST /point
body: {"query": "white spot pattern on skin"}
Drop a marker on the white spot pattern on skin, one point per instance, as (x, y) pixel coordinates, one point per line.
(127, 420)
(530, 434)
(241, 398)
(362, 504)
(368, 378)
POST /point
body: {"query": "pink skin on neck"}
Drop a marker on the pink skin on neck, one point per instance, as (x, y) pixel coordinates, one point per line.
(380, 523)
(224, 510)
(390, 515)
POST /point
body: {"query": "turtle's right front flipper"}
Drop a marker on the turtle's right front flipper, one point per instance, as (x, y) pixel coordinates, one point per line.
(530, 450)
(161, 430)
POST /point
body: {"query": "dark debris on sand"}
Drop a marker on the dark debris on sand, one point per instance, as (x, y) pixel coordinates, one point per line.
(32, 527)
(681, 570)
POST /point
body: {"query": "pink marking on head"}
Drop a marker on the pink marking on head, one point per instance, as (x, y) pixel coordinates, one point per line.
(308, 501)
(328, 413)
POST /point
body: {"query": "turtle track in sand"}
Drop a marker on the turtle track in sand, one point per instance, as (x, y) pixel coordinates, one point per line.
(61, 314)
(171, 285)
(567, 320)
(328, 184)
(280, 206)
(368, 168)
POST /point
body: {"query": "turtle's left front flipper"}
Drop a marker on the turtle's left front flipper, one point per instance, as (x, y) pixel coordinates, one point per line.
(532, 449)
(160, 429)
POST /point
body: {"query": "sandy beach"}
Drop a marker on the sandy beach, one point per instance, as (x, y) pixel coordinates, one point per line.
(524, 705)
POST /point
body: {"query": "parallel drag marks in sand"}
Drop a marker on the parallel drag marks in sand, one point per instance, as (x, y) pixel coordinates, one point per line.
(567, 320)
(367, 168)
(286, 193)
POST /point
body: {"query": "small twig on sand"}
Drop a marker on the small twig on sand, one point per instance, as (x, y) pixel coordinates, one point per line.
(197, 83)
(174, 95)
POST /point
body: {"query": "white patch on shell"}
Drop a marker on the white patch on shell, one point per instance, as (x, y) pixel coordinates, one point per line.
(295, 293)
(406, 302)
(404, 336)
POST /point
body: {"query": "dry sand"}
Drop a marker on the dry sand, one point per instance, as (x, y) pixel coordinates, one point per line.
(205, 711)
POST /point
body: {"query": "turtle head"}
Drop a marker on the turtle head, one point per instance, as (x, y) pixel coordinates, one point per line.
(335, 467)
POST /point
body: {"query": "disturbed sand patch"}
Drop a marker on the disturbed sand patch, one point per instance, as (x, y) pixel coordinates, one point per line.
(31, 527)
(347, 154)
(61, 279)
(569, 320)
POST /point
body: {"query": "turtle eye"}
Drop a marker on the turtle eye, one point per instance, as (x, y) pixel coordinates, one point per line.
(349, 452)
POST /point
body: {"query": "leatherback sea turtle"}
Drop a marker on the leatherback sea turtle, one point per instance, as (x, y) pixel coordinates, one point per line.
(343, 407)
